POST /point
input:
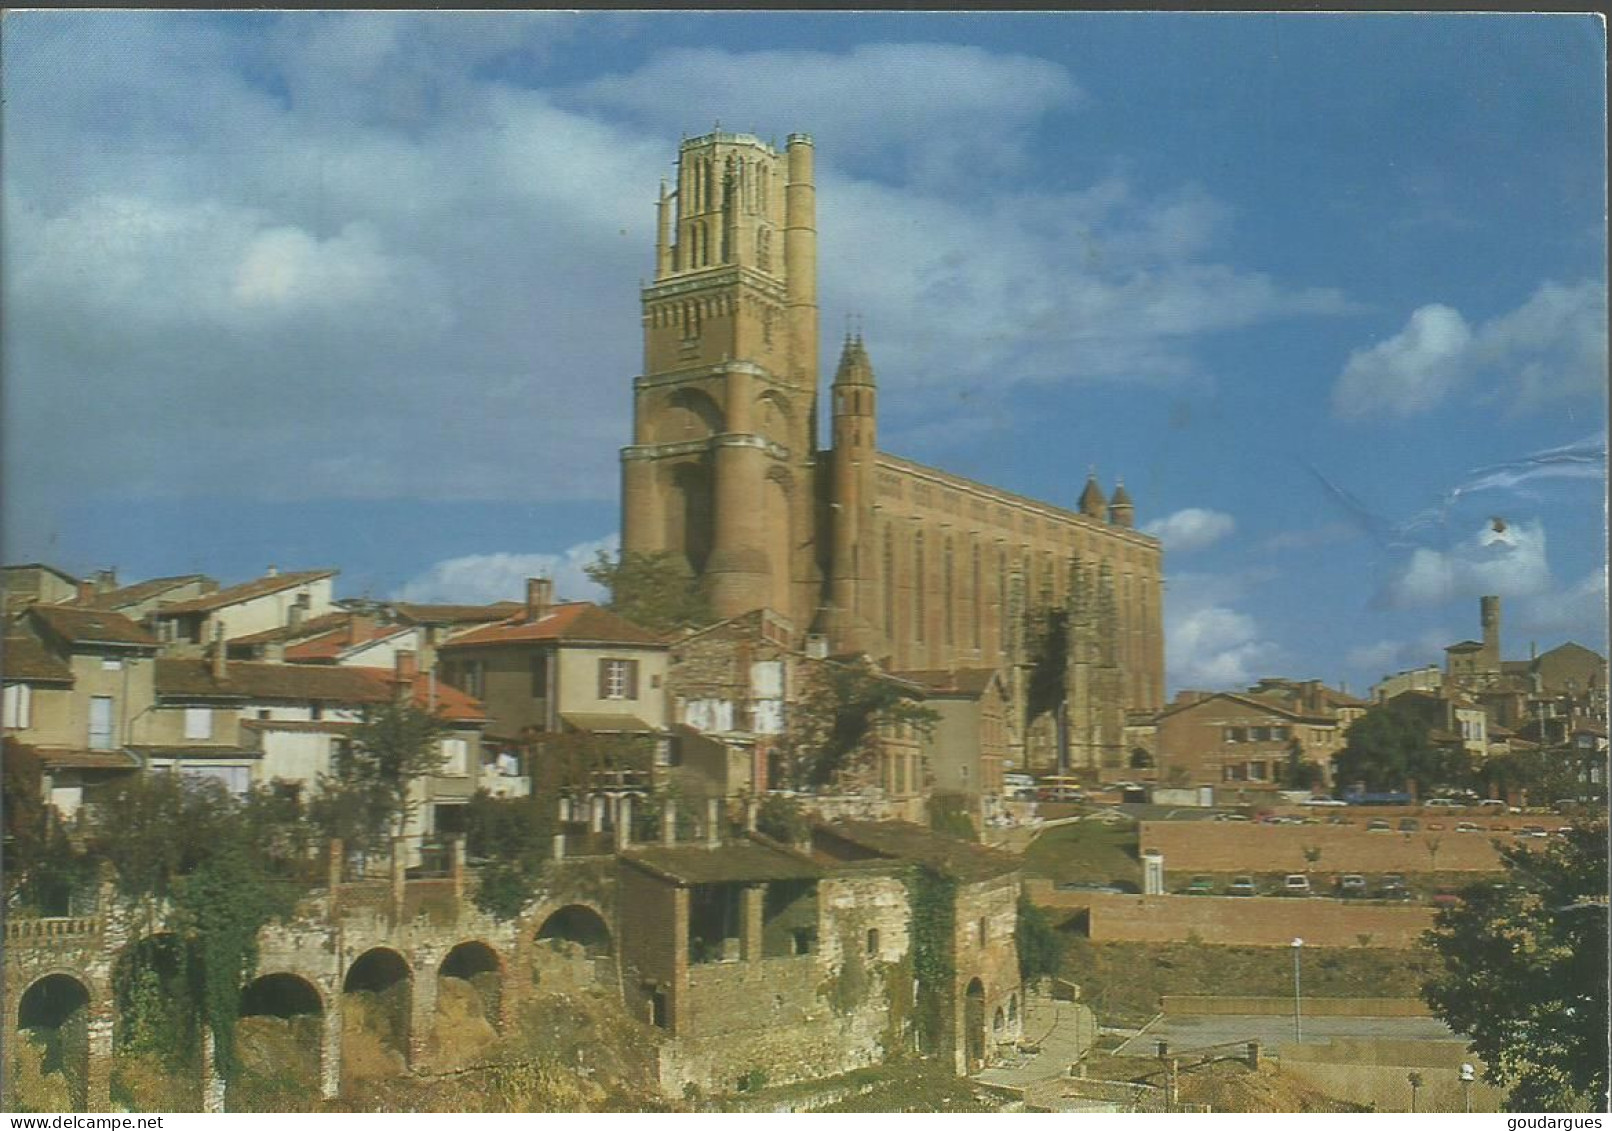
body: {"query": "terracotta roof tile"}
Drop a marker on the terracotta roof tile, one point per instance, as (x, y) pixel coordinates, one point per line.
(139, 591)
(329, 645)
(77, 758)
(457, 614)
(313, 626)
(246, 591)
(26, 659)
(580, 622)
(91, 626)
(312, 683)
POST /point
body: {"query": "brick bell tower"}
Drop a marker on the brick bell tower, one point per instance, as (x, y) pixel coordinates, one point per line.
(722, 464)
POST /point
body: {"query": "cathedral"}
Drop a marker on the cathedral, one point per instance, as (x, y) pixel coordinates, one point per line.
(918, 568)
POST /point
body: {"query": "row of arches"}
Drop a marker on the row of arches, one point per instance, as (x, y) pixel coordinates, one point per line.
(283, 1027)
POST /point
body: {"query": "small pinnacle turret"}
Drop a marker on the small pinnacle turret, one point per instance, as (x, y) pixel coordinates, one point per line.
(1092, 502)
(855, 369)
(1121, 512)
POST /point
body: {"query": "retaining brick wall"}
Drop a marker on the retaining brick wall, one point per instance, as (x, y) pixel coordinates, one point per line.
(1232, 921)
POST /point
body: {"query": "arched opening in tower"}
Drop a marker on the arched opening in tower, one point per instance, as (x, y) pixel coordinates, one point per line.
(278, 1037)
(469, 1004)
(375, 1003)
(691, 515)
(49, 1071)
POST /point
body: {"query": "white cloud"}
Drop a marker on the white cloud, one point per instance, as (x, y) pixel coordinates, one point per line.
(1209, 643)
(1191, 529)
(1553, 346)
(1408, 373)
(1508, 563)
(485, 578)
(375, 266)
(1578, 612)
(1381, 657)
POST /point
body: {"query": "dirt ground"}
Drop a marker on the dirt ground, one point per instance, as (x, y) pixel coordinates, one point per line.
(1222, 1086)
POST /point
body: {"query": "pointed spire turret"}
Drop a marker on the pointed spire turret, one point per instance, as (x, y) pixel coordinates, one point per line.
(855, 368)
(1092, 502)
(1121, 512)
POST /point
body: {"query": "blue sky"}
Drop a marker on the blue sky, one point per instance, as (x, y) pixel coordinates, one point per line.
(359, 290)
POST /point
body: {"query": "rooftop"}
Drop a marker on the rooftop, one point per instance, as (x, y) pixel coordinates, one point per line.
(308, 683)
(901, 840)
(24, 658)
(246, 591)
(91, 626)
(580, 622)
(139, 591)
(457, 614)
(746, 861)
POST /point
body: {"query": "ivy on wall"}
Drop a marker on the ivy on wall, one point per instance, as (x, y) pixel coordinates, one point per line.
(933, 900)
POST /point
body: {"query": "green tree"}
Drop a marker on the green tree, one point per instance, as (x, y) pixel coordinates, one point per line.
(951, 814)
(838, 715)
(42, 867)
(510, 837)
(1388, 748)
(657, 590)
(158, 827)
(1039, 943)
(369, 795)
(1298, 772)
(779, 816)
(1524, 972)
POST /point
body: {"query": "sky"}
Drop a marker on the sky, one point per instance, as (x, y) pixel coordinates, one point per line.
(360, 290)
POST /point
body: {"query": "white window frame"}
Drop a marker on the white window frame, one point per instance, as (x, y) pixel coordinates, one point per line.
(103, 739)
(455, 758)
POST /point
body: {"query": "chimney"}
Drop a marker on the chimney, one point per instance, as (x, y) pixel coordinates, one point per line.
(407, 669)
(86, 591)
(298, 612)
(272, 571)
(539, 597)
(220, 654)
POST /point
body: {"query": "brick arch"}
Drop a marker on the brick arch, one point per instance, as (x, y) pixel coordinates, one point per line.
(258, 993)
(479, 965)
(60, 1005)
(688, 414)
(570, 920)
(64, 973)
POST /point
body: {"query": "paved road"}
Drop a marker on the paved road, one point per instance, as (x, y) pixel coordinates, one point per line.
(1187, 1032)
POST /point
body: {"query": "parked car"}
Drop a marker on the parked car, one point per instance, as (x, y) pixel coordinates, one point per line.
(1091, 885)
(1444, 897)
(1443, 803)
(1532, 831)
(1393, 888)
(1242, 885)
(1200, 885)
(1491, 805)
(1296, 884)
(1352, 886)
(1409, 824)
(1378, 825)
(1328, 802)
(1467, 827)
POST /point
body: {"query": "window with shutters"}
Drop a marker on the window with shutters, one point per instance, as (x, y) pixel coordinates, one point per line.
(618, 679)
(198, 722)
(101, 722)
(19, 705)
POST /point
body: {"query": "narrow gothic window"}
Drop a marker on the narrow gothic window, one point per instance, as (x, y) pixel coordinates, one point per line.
(918, 587)
(764, 249)
(889, 585)
(975, 592)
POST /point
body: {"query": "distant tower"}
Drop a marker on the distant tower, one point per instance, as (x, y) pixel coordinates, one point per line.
(1489, 614)
(852, 610)
(724, 415)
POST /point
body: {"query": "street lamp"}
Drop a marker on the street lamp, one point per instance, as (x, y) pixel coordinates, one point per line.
(1467, 1073)
(1298, 1026)
(1415, 1079)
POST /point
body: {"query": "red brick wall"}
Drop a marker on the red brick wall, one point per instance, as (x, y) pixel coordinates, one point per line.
(1232, 921)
